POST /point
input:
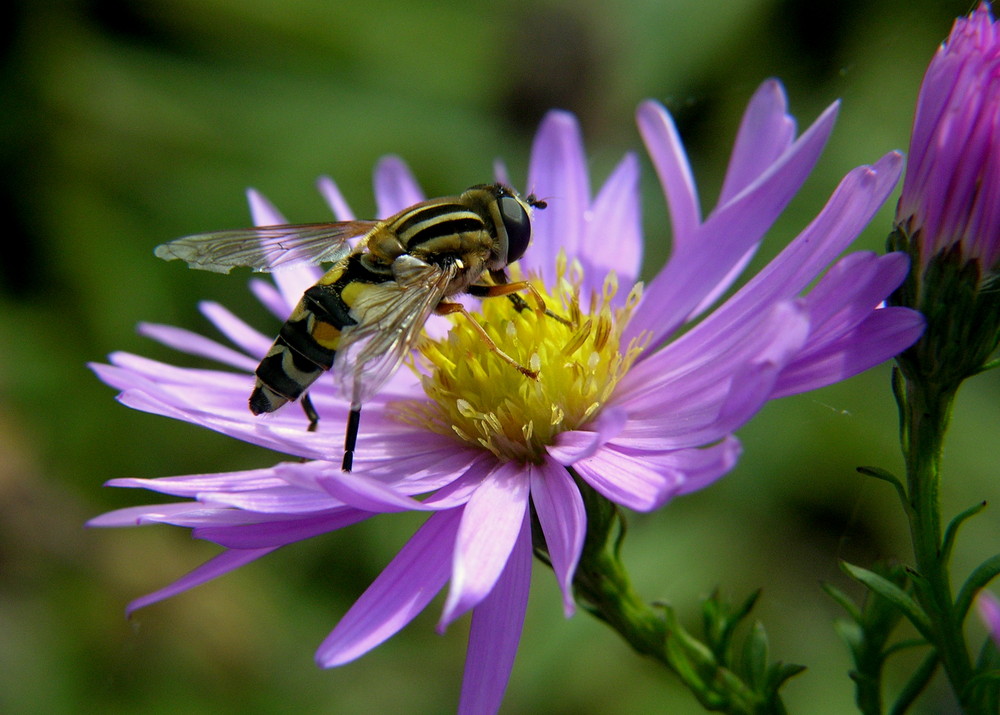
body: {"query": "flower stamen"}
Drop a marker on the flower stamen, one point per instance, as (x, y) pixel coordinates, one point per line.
(478, 399)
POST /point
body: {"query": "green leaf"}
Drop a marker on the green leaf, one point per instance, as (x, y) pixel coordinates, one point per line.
(982, 575)
(843, 600)
(720, 620)
(990, 676)
(989, 660)
(780, 673)
(991, 365)
(916, 684)
(985, 689)
(892, 593)
(952, 531)
(886, 476)
(755, 651)
(905, 645)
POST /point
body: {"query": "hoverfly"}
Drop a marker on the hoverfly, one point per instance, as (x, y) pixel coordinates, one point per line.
(365, 314)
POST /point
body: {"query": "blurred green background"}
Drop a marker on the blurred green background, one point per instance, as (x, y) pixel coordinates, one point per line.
(125, 124)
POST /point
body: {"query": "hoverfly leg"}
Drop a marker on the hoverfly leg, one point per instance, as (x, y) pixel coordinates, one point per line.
(521, 304)
(351, 437)
(510, 290)
(311, 414)
(444, 308)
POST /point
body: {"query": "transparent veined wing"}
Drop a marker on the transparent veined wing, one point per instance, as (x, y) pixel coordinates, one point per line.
(390, 317)
(266, 247)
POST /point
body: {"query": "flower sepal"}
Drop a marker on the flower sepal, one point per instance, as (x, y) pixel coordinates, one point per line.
(961, 307)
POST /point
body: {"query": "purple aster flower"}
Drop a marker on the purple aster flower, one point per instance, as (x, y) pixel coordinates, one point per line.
(948, 216)
(621, 402)
(951, 191)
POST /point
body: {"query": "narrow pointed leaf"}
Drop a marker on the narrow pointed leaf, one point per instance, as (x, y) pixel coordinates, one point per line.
(953, 526)
(982, 575)
(892, 593)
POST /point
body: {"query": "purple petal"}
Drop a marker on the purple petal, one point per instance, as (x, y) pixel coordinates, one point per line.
(222, 564)
(885, 333)
(262, 211)
(193, 484)
(135, 370)
(248, 339)
(395, 187)
(297, 442)
(694, 468)
(279, 531)
(334, 199)
(850, 291)
(579, 444)
(399, 593)
(563, 519)
(743, 396)
(690, 378)
(716, 403)
(558, 174)
(185, 386)
(267, 294)
(141, 515)
(460, 490)
(625, 479)
(847, 212)
(490, 525)
(194, 344)
(431, 463)
(285, 501)
(613, 238)
(851, 207)
(500, 172)
(670, 160)
(497, 623)
(696, 270)
(766, 131)
(368, 494)
(701, 467)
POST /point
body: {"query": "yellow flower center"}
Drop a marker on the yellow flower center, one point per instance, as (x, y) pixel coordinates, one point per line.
(478, 398)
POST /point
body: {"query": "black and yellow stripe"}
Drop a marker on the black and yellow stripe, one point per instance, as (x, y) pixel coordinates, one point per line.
(443, 222)
(307, 344)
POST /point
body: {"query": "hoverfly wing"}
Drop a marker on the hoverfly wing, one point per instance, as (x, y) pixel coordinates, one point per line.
(266, 247)
(390, 318)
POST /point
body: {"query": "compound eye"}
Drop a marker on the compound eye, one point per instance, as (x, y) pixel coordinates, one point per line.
(518, 227)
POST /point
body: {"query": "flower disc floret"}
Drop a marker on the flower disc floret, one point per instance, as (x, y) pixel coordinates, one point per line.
(577, 352)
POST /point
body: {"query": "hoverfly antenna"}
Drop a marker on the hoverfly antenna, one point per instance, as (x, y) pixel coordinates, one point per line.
(535, 202)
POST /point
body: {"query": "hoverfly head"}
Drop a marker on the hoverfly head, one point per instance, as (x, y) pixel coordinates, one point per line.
(515, 213)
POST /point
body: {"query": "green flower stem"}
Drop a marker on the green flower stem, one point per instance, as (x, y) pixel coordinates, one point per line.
(925, 414)
(604, 588)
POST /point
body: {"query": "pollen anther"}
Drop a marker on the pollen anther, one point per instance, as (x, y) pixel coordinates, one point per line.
(480, 400)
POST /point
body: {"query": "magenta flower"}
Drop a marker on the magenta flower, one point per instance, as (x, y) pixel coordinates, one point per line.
(951, 192)
(948, 217)
(638, 414)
